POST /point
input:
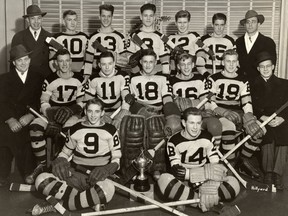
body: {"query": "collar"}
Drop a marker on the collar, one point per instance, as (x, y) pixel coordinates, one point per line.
(32, 32)
(253, 37)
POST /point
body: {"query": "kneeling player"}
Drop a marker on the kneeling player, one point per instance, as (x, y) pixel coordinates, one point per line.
(189, 89)
(96, 147)
(190, 152)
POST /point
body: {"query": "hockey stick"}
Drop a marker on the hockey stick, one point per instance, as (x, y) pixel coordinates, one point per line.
(21, 187)
(52, 42)
(140, 208)
(98, 46)
(44, 119)
(250, 186)
(261, 126)
(138, 41)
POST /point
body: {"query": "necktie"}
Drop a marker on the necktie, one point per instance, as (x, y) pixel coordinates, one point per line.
(250, 39)
(35, 34)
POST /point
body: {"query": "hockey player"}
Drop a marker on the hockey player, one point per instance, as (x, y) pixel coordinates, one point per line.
(195, 170)
(218, 41)
(189, 89)
(105, 39)
(233, 106)
(72, 40)
(96, 147)
(150, 38)
(61, 105)
(111, 86)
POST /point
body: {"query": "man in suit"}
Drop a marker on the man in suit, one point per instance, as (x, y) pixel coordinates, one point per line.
(19, 88)
(33, 38)
(252, 43)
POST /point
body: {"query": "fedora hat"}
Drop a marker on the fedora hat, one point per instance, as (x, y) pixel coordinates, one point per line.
(252, 13)
(263, 56)
(18, 51)
(34, 10)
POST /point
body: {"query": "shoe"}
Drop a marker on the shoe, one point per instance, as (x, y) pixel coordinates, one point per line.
(30, 179)
(278, 181)
(42, 209)
(268, 178)
(4, 181)
(245, 167)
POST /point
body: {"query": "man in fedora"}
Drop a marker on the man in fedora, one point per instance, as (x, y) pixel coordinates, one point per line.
(33, 38)
(19, 88)
(269, 93)
(252, 43)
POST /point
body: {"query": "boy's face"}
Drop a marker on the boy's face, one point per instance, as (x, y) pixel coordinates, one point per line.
(148, 63)
(22, 64)
(251, 25)
(94, 114)
(218, 27)
(148, 18)
(106, 18)
(35, 22)
(64, 63)
(70, 21)
(266, 69)
(230, 63)
(107, 65)
(193, 125)
(182, 25)
(185, 66)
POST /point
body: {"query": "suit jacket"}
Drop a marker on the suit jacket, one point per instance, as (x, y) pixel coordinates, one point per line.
(14, 98)
(248, 60)
(40, 54)
(267, 97)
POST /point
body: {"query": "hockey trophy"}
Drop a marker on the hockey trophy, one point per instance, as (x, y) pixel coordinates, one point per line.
(142, 163)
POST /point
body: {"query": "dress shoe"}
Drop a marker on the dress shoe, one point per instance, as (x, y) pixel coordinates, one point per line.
(278, 182)
(268, 178)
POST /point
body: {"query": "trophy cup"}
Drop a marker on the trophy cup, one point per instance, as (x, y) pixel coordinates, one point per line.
(142, 163)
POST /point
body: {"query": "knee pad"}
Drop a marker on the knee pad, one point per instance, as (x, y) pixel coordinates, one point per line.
(38, 125)
(155, 133)
(213, 125)
(108, 189)
(174, 189)
(132, 136)
(229, 189)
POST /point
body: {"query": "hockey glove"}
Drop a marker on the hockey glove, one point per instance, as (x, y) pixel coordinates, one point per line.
(173, 119)
(53, 129)
(251, 126)
(118, 118)
(179, 172)
(135, 59)
(101, 173)
(208, 193)
(60, 168)
(62, 115)
(229, 114)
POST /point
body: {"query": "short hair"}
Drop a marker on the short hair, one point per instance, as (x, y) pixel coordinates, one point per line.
(107, 7)
(219, 16)
(107, 54)
(62, 51)
(96, 101)
(184, 56)
(148, 52)
(191, 111)
(69, 12)
(148, 6)
(182, 14)
(229, 52)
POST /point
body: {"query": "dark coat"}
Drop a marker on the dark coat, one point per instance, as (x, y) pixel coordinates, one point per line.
(40, 54)
(267, 97)
(248, 60)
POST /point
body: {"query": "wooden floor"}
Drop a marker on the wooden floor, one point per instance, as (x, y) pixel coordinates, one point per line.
(250, 203)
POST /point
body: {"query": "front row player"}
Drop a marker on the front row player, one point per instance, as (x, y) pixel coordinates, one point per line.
(96, 147)
(195, 170)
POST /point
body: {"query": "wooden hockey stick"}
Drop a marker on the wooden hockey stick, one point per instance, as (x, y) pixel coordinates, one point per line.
(138, 41)
(44, 119)
(52, 42)
(140, 208)
(261, 126)
(255, 186)
(98, 46)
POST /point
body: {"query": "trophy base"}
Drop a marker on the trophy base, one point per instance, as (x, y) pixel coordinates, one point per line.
(149, 193)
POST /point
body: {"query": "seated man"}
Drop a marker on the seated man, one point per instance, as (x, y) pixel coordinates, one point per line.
(189, 89)
(61, 105)
(111, 86)
(232, 103)
(96, 147)
(194, 166)
(269, 93)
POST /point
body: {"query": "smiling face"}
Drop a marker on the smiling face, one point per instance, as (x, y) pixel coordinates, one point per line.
(185, 66)
(107, 65)
(266, 69)
(70, 22)
(94, 114)
(148, 18)
(35, 22)
(148, 63)
(218, 27)
(230, 63)
(64, 63)
(182, 25)
(106, 18)
(192, 126)
(22, 64)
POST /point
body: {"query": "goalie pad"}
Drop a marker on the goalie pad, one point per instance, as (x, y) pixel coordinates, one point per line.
(215, 172)
(209, 197)
(132, 135)
(251, 126)
(155, 130)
